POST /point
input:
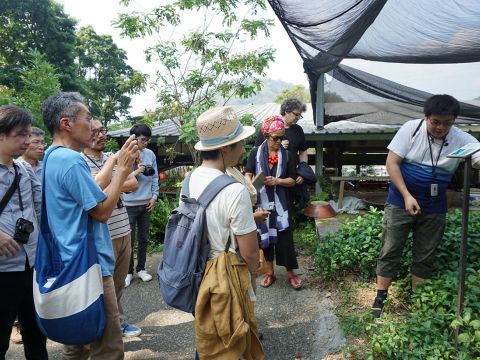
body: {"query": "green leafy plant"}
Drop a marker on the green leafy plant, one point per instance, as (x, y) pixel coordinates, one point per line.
(158, 221)
(305, 236)
(426, 331)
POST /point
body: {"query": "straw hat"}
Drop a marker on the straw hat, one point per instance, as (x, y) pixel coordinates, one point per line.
(219, 127)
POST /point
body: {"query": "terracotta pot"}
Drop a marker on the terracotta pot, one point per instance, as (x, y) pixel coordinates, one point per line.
(319, 209)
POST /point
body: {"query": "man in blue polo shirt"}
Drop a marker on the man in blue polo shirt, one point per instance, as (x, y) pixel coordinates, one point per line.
(71, 196)
(420, 173)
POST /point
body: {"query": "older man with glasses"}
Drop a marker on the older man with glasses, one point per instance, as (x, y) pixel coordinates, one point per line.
(35, 151)
(102, 167)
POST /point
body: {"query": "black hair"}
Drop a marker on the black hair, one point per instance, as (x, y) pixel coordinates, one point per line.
(441, 105)
(58, 106)
(292, 104)
(209, 155)
(214, 154)
(141, 129)
(12, 116)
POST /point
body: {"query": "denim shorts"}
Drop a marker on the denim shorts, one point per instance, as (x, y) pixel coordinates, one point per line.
(427, 232)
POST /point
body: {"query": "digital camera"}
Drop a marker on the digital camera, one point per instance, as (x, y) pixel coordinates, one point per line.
(149, 171)
(23, 229)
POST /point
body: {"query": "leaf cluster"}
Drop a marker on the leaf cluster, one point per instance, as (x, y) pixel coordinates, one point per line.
(208, 61)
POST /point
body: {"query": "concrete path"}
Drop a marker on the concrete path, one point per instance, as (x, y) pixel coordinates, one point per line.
(296, 324)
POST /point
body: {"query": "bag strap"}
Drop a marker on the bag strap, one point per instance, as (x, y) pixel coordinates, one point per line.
(55, 259)
(418, 128)
(185, 186)
(8, 195)
(212, 189)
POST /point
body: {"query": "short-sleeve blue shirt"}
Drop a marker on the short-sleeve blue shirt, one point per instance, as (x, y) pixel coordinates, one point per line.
(70, 192)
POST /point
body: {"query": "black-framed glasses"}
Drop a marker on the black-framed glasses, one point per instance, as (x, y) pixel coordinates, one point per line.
(447, 123)
(143, 139)
(277, 138)
(298, 115)
(99, 131)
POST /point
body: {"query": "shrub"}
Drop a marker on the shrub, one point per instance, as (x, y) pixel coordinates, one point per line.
(428, 332)
(158, 221)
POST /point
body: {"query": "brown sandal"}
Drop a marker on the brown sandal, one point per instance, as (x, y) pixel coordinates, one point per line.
(268, 280)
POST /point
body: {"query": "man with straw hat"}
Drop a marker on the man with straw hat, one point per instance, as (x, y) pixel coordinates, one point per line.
(229, 219)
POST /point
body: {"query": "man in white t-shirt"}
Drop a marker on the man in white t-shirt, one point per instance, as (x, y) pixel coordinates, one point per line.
(420, 173)
(230, 213)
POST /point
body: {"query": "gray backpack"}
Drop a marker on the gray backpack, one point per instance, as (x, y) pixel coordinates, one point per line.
(186, 246)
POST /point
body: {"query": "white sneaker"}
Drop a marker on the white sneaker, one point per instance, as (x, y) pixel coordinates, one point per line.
(128, 280)
(142, 274)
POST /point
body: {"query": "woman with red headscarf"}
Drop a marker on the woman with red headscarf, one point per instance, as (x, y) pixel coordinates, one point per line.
(276, 237)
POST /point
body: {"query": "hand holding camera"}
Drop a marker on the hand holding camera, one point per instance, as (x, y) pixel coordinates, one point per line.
(127, 155)
(8, 246)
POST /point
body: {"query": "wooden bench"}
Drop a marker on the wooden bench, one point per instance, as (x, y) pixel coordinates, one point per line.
(342, 180)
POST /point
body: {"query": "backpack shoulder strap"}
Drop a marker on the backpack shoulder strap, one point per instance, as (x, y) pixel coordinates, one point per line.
(214, 188)
(185, 185)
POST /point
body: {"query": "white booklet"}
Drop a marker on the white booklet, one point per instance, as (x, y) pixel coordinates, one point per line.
(465, 151)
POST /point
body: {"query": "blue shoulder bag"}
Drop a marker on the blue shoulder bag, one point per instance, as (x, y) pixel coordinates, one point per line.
(68, 297)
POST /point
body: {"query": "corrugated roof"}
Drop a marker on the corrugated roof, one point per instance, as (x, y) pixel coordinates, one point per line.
(348, 117)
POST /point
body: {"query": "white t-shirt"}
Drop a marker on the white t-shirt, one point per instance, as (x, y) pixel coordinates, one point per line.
(229, 212)
(415, 148)
(417, 169)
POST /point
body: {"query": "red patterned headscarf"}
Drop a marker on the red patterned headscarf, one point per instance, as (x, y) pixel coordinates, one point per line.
(272, 123)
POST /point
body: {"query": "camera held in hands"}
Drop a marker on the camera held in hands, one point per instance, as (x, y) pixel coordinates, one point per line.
(149, 171)
(23, 229)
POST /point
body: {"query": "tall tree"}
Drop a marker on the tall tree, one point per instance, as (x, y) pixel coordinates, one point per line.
(297, 91)
(39, 25)
(107, 79)
(39, 80)
(208, 57)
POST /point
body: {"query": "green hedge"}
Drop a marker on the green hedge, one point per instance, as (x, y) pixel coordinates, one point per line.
(427, 331)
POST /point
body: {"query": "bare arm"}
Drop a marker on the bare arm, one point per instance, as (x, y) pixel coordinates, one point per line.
(248, 246)
(393, 169)
(104, 176)
(126, 158)
(303, 156)
(131, 184)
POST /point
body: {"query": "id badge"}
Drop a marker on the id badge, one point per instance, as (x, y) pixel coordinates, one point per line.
(433, 189)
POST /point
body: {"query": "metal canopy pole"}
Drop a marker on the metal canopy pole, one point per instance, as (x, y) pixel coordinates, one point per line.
(320, 121)
(464, 241)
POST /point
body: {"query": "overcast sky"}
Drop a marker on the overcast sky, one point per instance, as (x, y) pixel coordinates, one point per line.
(459, 80)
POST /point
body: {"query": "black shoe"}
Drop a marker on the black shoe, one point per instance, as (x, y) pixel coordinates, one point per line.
(377, 307)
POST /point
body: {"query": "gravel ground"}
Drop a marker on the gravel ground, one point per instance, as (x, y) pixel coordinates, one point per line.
(296, 324)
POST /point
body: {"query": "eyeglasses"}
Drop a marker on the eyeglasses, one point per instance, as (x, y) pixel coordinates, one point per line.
(298, 115)
(144, 140)
(447, 123)
(37, 143)
(99, 131)
(277, 138)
